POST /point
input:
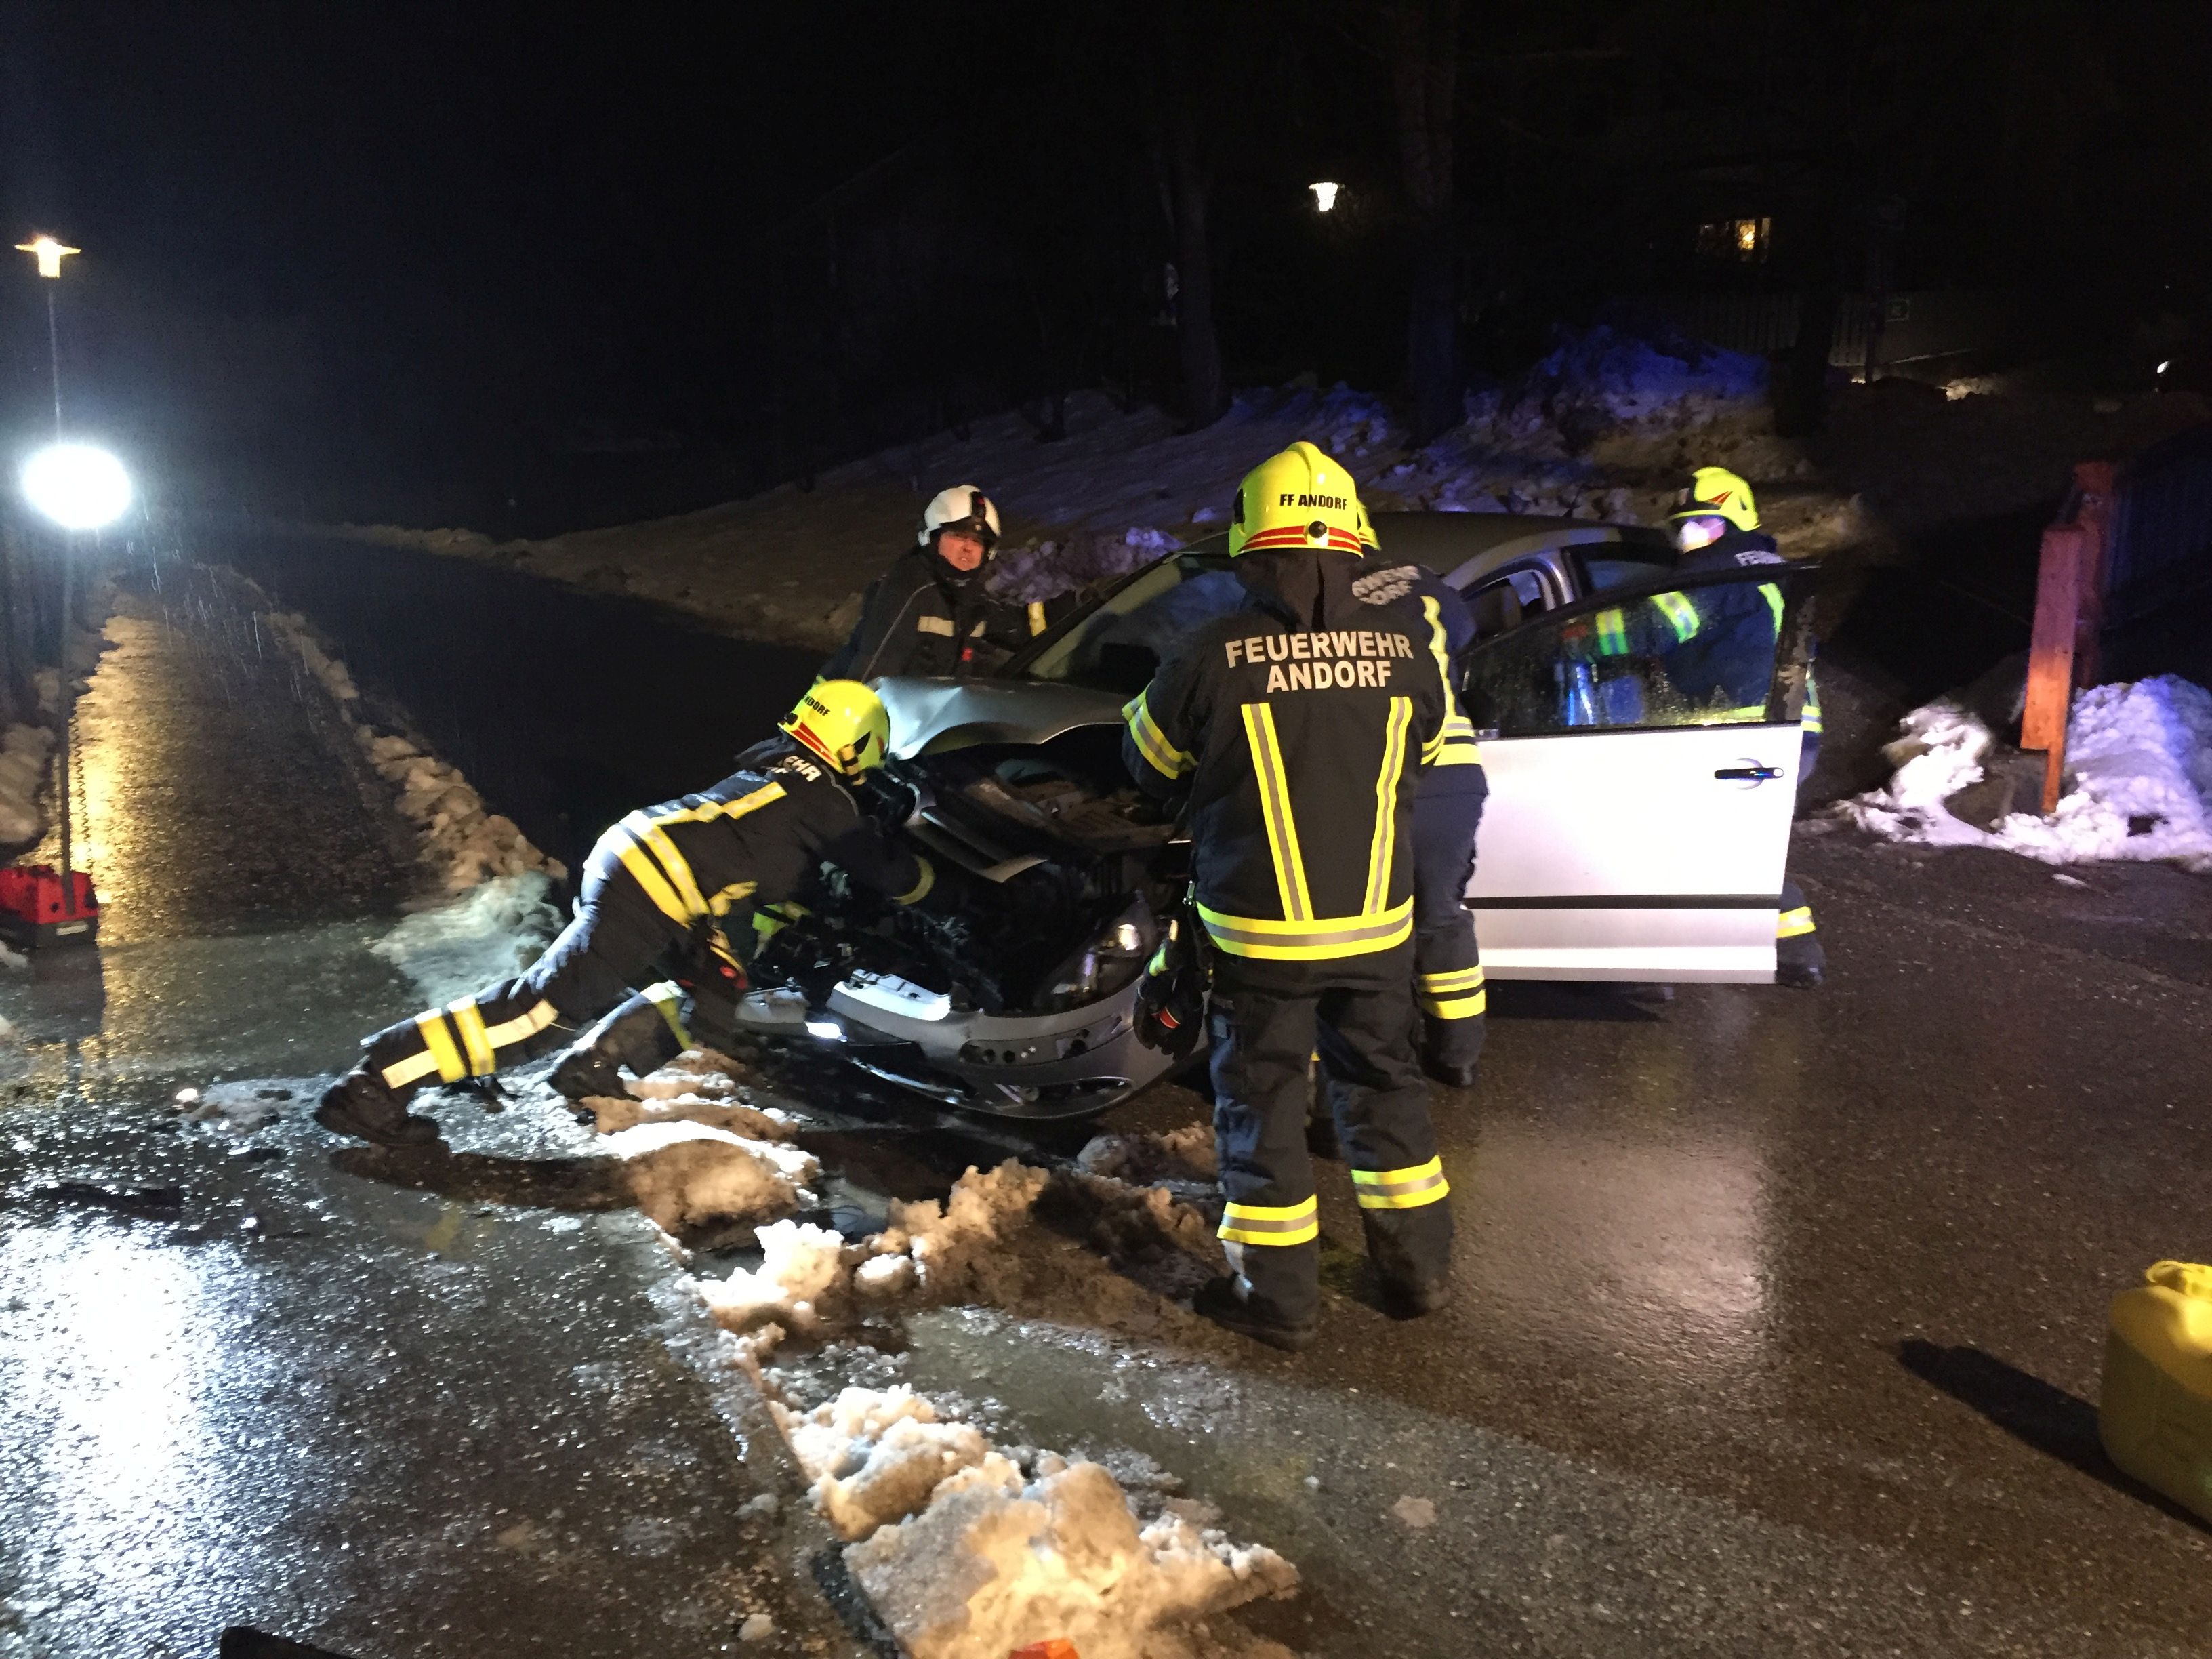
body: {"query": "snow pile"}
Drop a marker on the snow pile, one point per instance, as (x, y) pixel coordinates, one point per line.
(1183, 1156)
(1067, 1243)
(685, 1175)
(2139, 754)
(1046, 569)
(463, 843)
(875, 1456)
(698, 1086)
(490, 934)
(1607, 377)
(965, 1556)
(23, 752)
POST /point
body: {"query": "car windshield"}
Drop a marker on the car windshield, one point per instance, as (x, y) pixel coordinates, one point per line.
(1118, 644)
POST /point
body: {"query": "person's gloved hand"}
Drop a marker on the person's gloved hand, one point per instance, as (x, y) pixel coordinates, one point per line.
(1171, 1011)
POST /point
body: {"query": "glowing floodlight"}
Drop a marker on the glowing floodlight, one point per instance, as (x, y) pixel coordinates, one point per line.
(78, 486)
(48, 253)
(1324, 196)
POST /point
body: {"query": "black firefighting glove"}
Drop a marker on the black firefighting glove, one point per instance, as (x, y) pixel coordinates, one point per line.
(1171, 1011)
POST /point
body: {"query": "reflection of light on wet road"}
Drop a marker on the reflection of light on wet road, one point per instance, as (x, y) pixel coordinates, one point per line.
(108, 1392)
(1655, 1250)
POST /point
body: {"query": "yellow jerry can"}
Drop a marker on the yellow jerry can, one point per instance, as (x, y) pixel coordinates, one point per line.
(2156, 1417)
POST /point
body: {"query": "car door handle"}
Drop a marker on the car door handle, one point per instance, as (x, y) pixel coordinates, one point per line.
(1749, 774)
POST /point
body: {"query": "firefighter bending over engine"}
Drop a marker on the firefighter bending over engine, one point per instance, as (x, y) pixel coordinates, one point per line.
(669, 893)
(1296, 726)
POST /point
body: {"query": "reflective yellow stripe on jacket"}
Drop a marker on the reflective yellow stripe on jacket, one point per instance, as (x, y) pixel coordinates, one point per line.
(1384, 845)
(1152, 744)
(1282, 824)
(1454, 745)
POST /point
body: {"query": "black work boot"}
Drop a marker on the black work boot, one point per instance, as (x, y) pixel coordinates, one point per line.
(361, 1105)
(1225, 1302)
(1800, 963)
(584, 1071)
(1411, 1254)
(1452, 1074)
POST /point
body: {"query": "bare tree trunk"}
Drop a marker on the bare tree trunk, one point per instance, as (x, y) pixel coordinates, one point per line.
(1424, 73)
(1187, 183)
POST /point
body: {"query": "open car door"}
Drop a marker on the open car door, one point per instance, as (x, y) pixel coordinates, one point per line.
(1643, 752)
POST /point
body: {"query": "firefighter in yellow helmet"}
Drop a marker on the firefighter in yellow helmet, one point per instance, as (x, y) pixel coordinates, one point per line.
(1716, 523)
(1294, 728)
(665, 901)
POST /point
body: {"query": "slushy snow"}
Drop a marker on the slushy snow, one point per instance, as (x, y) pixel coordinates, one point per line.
(486, 935)
(2140, 756)
(684, 1175)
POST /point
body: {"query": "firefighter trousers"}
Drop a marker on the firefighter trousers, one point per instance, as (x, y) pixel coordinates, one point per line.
(1797, 940)
(1265, 1033)
(1447, 960)
(619, 940)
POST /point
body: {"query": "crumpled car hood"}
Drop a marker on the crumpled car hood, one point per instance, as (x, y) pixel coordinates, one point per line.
(933, 716)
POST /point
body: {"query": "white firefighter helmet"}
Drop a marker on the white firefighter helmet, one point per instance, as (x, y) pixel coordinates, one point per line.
(963, 506)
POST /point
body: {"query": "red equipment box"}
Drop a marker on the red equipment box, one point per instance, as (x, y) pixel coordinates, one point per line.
(36, 907)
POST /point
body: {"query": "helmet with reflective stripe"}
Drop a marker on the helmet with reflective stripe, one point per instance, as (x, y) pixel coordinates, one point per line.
(964, 508)
(1714, 492)
(843, 722)
(1300, 498)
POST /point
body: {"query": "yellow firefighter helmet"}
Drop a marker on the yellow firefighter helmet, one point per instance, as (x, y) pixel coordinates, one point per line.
(1714, 492)
(843, 722)
(1300, 498)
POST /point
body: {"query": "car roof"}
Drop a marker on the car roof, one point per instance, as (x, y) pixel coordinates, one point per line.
(1447, 541)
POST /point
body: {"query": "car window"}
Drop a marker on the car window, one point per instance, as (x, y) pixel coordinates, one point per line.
(1502, 601)
(1119, 644)
(1601, 575)
(1701, 655)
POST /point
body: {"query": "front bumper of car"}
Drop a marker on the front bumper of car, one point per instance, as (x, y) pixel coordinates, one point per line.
(1072, 1063)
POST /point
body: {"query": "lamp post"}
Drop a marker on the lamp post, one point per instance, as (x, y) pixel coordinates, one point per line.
(50, 252)
(77, 487)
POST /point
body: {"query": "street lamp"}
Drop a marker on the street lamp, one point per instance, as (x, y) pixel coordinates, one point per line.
(50, 253)
(78, 486)
(1324, 194)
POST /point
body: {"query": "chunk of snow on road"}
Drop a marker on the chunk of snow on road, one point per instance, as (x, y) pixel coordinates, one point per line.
(802, 1275)
(994, 1563)
(950, 1241)
(877, 1456)
(1183, 1155)
(2141, 756)
(614, 1113)
(685, 1175)
(1415, 1512)
(490, 934)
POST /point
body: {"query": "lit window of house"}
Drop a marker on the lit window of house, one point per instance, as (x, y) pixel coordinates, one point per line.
(1744, 240)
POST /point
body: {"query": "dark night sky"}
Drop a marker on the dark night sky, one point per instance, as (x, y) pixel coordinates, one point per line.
(431, 239)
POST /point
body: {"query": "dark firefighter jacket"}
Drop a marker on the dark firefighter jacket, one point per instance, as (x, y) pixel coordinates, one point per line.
(1719, 641)
(1458, 769)
(922, 616)
(1297, 724)
(757, 839)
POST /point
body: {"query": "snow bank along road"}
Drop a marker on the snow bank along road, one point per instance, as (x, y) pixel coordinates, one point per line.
(1777, 1322)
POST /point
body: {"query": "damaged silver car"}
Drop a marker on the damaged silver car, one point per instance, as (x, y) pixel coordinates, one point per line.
(1636, 828)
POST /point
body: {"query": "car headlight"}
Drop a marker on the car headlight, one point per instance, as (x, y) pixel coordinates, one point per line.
(1111, 959)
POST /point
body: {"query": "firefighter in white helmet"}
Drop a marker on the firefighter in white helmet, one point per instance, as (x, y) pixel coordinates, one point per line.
(932, 613)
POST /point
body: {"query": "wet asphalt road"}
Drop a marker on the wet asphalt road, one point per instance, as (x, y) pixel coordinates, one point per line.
(1777, 1329)
(246, 1378)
